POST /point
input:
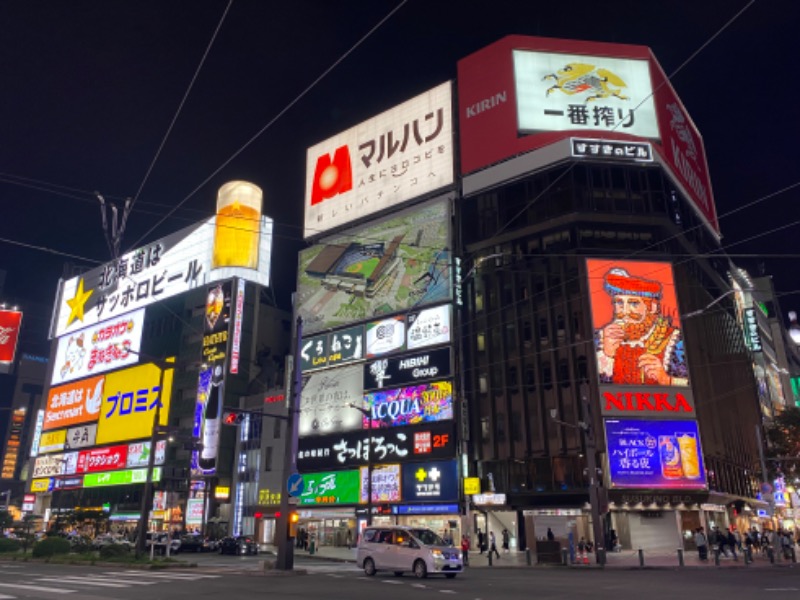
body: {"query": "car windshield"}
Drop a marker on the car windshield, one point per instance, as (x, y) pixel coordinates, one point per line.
(427, 537)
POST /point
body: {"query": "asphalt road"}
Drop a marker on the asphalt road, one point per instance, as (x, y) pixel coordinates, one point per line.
(233, 578)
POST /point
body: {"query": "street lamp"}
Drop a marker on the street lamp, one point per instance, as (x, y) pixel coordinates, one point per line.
(587, 431)
(367, 414)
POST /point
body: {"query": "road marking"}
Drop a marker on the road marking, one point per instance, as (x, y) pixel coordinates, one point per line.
(391, 581)
(37, 588)
(128, 581)
(176, 576)
(780, 589)
(4, 597)
(421, 586)
(448, 591)
(72, 579)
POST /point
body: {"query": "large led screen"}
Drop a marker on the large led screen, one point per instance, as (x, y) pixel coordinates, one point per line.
(326, 398)
(637, 327)
(338, 487)
(410, 405)
(654, 454)
(391, 265)
(403, 153)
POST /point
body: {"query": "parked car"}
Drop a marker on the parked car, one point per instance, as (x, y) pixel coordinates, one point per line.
(196, 543)
(108, 539)
(238, 545)
(162, 539)
(407, 549)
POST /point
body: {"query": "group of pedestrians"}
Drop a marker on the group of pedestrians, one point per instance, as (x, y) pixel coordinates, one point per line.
(730, 541)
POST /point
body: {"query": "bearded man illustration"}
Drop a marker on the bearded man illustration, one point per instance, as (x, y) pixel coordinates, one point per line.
(640, 345)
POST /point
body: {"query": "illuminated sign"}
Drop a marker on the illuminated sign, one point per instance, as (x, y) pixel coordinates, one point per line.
(649, 402)
(37, 433)
(435, 480)
(325, 398)
(472, 485)
(52, 441)
(385, 483)
(332, 349)
(409, 368)
(163, 269)
(352, 449)
(428, 327)
(91, 480)
(612, 150)
(139, 454)
(560, 92)
(82, 436)
(217, 322)
(99, 348)
(751, 334)
(409, 405)
(489, 499)
(267, 496)
(338, 487)
(222, 492)
(13, 442)
(399, 155)
(636, 324)
(386, 335)
(392, 264)
(236, 342)
(426, 509)
(41, 485)
(102, 459)
(48, 466)
(194, 512)
(130, 397)
(10, 323)
(73, 403)
(655, 454)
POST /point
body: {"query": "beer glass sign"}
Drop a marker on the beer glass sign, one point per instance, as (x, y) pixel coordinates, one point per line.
(238, 226)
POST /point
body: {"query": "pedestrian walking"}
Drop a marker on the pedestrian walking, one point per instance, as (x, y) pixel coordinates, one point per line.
(550, 535)
(506, 538)
(701, 541)
(493, 545)
(481, 542)
(731, 539)
(465, 549)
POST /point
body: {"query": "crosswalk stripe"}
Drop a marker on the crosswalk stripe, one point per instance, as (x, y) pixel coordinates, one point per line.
(37, 588)
(71, 580)
(178, 576)
(4, 597)
(128, 581)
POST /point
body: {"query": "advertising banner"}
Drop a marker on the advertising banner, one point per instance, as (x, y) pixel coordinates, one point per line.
(73, 403)
(409, 405)
(165, 268)
(139, 454)
(129, 402)
(11, 456)
(82, 436)
(386, 335)
(37, 433)
(102, 459)
(42, 485)
(325, 400)
(10, 323)
(335, 348)
(654, 454)
(48, 466)
(408, 368)
(238, 317)
(194, 512)
(91, 480)
(339, 487)
(636, 320)
(69, 483)
(430, 481)
(400, 444)
(653, 402)
(385, 484)
(403, 153)
(52, 441)
(428, 327)
(99, 348)
(390, 265)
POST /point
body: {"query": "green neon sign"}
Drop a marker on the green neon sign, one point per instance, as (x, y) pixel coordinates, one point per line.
(337, 487)
(119, 477)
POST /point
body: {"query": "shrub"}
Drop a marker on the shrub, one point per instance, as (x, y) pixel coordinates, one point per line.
(114, 551)
(9, 545)
(51, 546)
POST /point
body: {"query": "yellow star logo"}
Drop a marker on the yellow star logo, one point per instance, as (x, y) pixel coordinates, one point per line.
(77, 303)
(421, 474)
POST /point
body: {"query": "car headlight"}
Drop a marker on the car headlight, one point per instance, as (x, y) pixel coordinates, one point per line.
(437, 554)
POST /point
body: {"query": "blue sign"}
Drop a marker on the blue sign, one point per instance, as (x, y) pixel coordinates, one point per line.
(432, 481)
(655, 454)
(425, 509)
(295, 484)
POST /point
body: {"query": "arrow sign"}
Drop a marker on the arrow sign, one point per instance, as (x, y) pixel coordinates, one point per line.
(295, 484)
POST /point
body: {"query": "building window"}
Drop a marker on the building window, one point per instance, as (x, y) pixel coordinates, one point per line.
(485, 430)
(268, 458)
(276, 429)
(500, 421)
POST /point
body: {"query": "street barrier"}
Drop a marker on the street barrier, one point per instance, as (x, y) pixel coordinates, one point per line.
(641, 557)
(680, 557)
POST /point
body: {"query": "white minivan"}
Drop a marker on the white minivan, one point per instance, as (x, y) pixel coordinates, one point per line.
(403, 549)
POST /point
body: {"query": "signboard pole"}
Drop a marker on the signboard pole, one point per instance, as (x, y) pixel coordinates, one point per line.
(590, 438)
(764, 474)
(285, 559)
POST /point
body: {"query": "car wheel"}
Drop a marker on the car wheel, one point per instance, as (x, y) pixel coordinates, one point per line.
(420, 570)
(450, 575)
(398, 573)
(369, 567)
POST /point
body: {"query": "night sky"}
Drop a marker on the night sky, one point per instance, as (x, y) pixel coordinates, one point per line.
(90, 89)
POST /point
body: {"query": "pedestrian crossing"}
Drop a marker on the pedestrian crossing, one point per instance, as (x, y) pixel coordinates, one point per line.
(25, 585)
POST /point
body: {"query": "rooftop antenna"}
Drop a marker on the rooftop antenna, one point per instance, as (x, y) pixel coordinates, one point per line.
(114, 238)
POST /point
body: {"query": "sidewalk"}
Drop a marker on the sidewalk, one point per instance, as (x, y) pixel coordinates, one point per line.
(627, 559)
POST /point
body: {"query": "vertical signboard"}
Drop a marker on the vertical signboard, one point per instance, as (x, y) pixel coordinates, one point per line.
(10, 323)
(11, 456)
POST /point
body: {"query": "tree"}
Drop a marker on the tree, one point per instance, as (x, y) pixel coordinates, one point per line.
(6, 520)
(783, 442)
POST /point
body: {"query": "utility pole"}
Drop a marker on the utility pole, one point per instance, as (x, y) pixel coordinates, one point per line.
(285, 559)
(367, 414)
(587, 427)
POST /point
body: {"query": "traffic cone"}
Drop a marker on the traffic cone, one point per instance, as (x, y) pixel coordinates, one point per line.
(585, 557)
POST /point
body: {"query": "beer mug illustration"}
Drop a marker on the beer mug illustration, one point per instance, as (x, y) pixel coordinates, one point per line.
(690, 454)
(238, 229)
(670, 456)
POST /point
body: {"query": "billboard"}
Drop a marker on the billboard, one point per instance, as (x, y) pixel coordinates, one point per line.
(52, 441)
(403, 153)
(332, 349)
(48, 466)
(429, 327)
(407, 369)
(636, 321)
(430, 481)
(654, 454)
(81, 436)
(400, 444)
(165, 268)
(338, 487)
(139, 454)
(385, 484)
(651, 402)
(391, 265)
(129, 401)
(386, 335)
(99, 348)
(10, 323)
(410, 405)
(73, 403)
(102, 459)
(11, 455)
(91, 480)
(325, 400)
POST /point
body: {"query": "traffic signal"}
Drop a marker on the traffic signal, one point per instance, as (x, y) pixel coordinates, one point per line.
(293, 520)
(232, 417)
